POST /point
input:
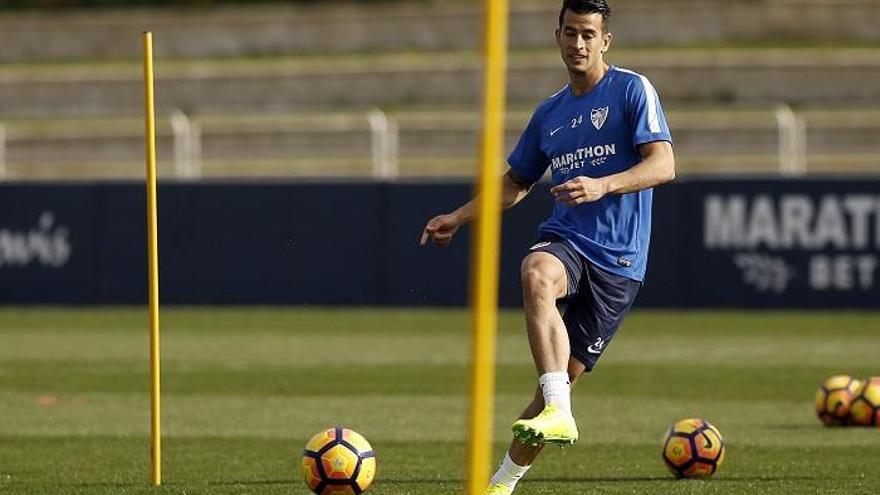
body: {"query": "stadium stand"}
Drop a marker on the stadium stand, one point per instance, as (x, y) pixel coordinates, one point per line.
(266, 91)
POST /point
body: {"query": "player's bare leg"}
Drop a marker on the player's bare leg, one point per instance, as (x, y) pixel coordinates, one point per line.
(544, 281)
(520, 456)
(524, 454)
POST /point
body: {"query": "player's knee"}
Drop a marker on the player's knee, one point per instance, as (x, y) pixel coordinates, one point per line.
(539, 276)
(536, 281)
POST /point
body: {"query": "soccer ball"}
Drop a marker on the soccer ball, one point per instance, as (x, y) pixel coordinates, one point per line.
(693, 449)
(338, 461)
(833, 399)
(865, 408)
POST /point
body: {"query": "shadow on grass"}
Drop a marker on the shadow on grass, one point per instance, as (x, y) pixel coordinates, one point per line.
(715, 479)
(724, 479)
(384, 481)
(401, 481)
(811, 426)
(610, 479)
(108, 484)
(253, 482)
(138, 484)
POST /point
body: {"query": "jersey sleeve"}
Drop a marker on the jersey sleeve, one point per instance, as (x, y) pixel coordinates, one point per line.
(645, 113)
(527, 160)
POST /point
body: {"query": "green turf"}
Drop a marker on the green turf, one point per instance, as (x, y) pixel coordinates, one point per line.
(244, 388)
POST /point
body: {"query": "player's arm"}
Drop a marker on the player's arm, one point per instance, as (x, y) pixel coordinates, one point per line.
(442, 228)
(657, 167)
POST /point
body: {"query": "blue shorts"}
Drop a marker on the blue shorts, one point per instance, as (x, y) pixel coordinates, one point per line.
(595, 304)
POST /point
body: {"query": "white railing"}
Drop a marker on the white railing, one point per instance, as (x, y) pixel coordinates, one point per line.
(187, 146)
(384, 134)
(385, 138)
(2, 151)
(384, 141)
(792, 142)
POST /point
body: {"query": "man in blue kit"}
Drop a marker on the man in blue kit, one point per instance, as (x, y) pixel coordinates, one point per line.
(605, 140)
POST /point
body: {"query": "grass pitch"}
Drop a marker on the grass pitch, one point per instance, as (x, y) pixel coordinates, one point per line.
(243, 389)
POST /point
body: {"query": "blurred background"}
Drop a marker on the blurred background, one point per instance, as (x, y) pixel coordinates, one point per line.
(272, 89)
(303, 146)
(764, 97)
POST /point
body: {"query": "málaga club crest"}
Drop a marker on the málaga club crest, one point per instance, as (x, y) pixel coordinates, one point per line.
(598, 117)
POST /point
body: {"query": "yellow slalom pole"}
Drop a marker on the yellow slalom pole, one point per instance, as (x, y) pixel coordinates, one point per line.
(484, 254)
(153, 262)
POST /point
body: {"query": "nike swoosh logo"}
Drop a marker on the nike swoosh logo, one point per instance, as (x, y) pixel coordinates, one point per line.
(539, 245)
(554, 131)
(708, 444)
(596, 347)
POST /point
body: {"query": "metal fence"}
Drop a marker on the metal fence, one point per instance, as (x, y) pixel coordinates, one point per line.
(415, 143)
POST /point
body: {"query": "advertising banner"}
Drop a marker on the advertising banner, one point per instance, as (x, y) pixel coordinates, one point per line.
(775, 243)
(756, 243)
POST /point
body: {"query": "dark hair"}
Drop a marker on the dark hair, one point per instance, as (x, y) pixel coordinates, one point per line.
(588, 7)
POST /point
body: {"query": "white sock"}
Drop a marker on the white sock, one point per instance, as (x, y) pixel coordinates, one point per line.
(556, 389)
(509, 473)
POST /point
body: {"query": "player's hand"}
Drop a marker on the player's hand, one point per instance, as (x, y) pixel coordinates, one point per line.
(580, 190)
(440, 229)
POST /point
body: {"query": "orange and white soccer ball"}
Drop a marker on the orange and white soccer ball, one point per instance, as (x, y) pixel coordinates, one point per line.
(338, 461)
(834, 398)
(693, 449)
(865, 407)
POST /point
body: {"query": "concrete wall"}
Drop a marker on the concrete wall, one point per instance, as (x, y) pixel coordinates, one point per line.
(753, 76)
(250, 30)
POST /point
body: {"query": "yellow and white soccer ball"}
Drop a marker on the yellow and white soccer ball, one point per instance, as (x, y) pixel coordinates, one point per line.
(693, 448)
(834, 398)
(338, 461)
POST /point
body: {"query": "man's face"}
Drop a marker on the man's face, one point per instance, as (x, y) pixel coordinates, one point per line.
(582, 42)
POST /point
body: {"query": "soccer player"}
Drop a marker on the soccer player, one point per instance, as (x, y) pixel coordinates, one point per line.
(605, 140)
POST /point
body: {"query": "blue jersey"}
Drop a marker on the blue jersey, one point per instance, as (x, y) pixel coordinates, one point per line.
(595, 135)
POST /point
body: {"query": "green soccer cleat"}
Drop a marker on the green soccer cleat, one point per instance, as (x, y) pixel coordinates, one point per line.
(498, 489)
(552, 425)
